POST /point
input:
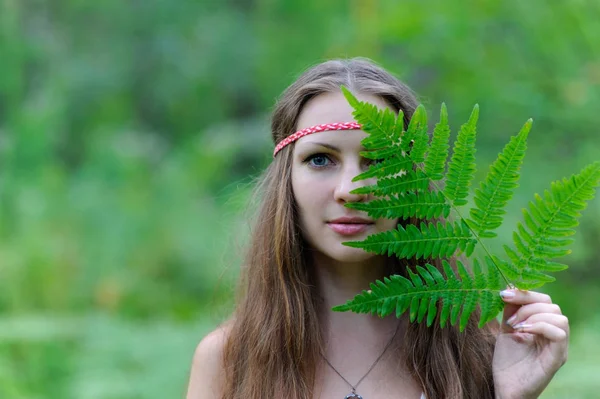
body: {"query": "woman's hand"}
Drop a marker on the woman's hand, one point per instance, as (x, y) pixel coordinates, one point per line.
(531, 346)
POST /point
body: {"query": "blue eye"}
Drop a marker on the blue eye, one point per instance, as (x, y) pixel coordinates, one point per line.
(318, 160)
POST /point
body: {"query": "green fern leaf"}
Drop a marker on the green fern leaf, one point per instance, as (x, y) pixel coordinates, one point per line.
(462, 164)
(415, 139)
(426, 205)
(421, 292)
(492, 303)
(497, 188)
(548, 220)
(383, 126)
(406, 181)
(389, 167)
(406, 187)
(435, 163)
(431, 240)
(507, 269)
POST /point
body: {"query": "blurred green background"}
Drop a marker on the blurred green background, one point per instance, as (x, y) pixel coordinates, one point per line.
(130, 132)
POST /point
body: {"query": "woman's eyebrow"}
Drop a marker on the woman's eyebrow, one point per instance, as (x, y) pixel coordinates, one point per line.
(329, 146)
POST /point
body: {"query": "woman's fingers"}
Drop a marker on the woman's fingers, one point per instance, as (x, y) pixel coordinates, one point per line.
(525, 311)
(518, 297)
(534, 312)
(514, 299)
(545, 329)
(557, 320)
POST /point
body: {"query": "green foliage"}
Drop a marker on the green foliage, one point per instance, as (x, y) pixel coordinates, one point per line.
(435, 164)
(421, 292)
(548, 221)
(462, 164)
(411, 190)
(430, 240)
(495, 192)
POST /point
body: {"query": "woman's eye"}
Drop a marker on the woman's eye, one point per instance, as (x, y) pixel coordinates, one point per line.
(318, 160)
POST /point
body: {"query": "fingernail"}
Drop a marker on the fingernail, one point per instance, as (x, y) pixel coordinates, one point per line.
(521, 325)
(507, 294)
(511, 320)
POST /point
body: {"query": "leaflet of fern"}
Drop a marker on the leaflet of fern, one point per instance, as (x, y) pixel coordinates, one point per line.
(498, 187)
(431, 240)
(425, 205)
(462, 163)
(548, 220)
(435, 162)
(428, 291)
(396, 164)
(415, 138)
(384, 127)
(411, 180)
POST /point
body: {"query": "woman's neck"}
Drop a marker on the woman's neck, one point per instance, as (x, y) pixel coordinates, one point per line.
(337, 283)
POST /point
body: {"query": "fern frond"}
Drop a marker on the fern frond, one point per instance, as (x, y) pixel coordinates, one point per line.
(497, 188)
(406, 187)
(383, 126)
(548, 220)
(435, 163)
(415, 139)
(388, 167)
(462, 164)
(422, 291)
(431, 240)
(426, 205)
(508, 269)
(405, 181)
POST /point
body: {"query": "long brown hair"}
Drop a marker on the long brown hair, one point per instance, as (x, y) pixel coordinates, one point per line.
(272, 346)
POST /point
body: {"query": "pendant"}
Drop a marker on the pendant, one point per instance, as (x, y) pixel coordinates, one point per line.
(353, 396)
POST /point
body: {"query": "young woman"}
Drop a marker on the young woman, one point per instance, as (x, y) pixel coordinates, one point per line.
(285, 342)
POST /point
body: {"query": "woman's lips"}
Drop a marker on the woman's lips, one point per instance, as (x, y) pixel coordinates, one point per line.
(348, 229)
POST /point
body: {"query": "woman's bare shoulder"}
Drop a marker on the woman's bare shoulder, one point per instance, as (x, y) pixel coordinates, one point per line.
(206, 377)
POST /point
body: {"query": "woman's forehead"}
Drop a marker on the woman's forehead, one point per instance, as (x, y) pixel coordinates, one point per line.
(331, 108)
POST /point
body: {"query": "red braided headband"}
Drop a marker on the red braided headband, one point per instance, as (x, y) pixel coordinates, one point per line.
(315, 129)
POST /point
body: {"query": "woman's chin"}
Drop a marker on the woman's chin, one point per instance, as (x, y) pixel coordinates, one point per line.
(346, 254)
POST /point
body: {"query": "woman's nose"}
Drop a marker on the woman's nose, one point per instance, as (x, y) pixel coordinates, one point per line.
(345, 185)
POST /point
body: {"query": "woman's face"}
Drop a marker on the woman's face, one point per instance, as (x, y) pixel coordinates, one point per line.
(322, 170)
